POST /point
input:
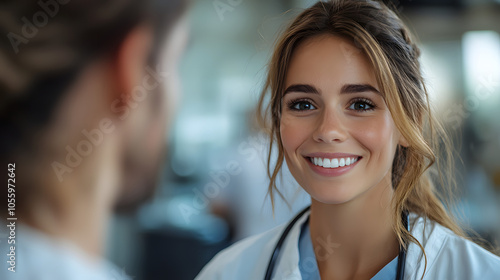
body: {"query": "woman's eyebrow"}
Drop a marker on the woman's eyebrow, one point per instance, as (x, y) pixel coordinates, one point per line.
(301, 88)
(349, 88)
(355, 88)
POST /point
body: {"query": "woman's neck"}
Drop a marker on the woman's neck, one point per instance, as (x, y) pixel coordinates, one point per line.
(354, 240)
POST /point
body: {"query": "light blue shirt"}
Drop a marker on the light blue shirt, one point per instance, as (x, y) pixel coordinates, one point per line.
(309, 268)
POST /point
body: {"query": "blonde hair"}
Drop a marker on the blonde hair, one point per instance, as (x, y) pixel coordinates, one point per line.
(382, 36)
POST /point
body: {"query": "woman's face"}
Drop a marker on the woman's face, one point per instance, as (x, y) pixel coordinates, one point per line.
(338, 135)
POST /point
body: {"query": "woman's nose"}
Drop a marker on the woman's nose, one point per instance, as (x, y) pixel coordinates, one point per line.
(330, 128)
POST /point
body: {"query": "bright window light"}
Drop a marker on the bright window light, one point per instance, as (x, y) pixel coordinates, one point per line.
(481, 51)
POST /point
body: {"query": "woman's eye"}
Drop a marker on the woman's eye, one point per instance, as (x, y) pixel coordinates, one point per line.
(302, 106)
(361, 105)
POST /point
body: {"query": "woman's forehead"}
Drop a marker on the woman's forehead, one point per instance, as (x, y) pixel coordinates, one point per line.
(329, 62)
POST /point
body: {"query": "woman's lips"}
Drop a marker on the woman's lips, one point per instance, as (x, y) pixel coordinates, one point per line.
(332, 166)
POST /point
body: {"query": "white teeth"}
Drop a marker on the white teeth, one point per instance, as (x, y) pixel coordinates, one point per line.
(349, 161)
(334, 162)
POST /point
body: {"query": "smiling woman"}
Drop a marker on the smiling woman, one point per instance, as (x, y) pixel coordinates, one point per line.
(350, 114)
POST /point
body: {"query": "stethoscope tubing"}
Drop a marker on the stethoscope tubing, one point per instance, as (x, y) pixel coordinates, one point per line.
(277, 248)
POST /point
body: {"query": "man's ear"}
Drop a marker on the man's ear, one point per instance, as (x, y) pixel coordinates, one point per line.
(131, 59)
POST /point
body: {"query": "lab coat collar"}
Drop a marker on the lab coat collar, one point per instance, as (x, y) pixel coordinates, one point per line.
(422, 230)
(288, 267)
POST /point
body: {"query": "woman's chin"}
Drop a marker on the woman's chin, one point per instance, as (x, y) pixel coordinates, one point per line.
(332, 196)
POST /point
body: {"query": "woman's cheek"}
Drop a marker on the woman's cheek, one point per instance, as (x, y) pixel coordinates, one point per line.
(292, 134)
(377, 136)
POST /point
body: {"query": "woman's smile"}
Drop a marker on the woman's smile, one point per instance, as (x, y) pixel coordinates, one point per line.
(332, 164)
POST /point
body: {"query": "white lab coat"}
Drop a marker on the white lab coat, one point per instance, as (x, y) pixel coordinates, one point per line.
(448, 255)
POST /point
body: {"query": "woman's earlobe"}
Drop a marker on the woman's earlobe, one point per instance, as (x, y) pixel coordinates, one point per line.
(403, 142)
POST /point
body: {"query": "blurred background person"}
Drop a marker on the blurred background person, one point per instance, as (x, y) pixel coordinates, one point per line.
(87, 92)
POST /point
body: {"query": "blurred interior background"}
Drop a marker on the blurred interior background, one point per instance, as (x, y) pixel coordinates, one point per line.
(214, 184)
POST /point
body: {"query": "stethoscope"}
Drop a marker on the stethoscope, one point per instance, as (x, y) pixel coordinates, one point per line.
(277, 249)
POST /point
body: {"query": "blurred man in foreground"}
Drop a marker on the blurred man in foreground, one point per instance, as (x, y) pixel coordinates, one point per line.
(86, 91)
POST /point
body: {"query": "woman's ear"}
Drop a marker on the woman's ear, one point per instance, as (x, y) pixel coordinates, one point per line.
(131, 60)
(403, 142)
